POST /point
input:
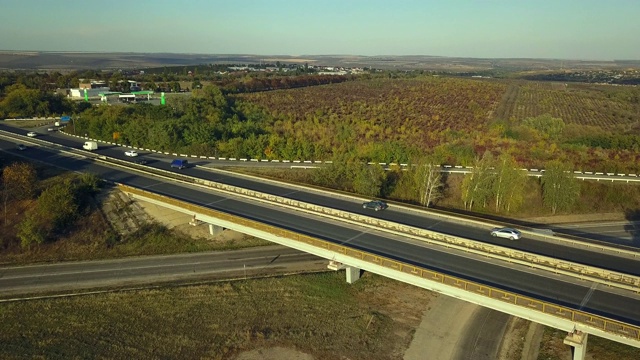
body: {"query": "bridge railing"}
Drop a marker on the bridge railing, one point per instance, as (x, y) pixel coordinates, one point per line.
(603, 276)
(587, 319)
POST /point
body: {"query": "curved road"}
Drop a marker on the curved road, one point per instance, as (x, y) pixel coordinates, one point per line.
(584, 296)
(531, 245)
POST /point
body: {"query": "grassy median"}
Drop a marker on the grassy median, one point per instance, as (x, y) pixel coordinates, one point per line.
(318, 314)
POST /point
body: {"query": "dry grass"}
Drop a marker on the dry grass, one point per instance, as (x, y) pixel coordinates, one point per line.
(27, 124)
(91, 238)
(319, 314)
(514, 339)
(553, 348)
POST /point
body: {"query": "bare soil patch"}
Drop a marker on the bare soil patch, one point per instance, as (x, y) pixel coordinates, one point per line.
(275, 353)
(514, 342)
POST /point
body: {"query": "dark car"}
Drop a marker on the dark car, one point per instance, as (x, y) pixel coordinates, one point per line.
(179, 163)
(376, 205)
(141, 161)
(21, 147)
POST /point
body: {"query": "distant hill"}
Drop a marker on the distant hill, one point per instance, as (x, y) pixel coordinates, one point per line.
(66, 61)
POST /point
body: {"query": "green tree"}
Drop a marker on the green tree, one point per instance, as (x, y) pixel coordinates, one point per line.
(560, 188)
(30, 231)
(55, 209)
(368, 179)
(508, 184)
(477, 186)
(546, 125)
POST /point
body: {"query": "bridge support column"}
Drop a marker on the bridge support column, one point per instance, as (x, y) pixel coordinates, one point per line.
(578, 342)
(215, 230)
(353, 274)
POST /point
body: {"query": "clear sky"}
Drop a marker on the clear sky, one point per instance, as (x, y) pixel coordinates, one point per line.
(566, 29)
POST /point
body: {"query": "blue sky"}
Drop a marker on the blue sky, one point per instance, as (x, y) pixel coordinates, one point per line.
(565, 29)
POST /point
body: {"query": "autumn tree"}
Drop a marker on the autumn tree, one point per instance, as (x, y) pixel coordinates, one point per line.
(55, 209)
(476, 186)
(368, 179)
(560, 188)
(546, 125)
(508, 184)
(18, 183)
(427, 177)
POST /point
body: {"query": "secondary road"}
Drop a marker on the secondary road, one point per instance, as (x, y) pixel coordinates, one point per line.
(542, 285)
(136, 271)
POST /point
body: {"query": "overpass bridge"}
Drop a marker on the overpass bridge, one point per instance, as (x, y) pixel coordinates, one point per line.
(558, 314)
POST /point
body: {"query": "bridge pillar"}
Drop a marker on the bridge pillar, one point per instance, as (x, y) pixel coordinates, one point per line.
(578, 342)
(353, 274)
(215, 230)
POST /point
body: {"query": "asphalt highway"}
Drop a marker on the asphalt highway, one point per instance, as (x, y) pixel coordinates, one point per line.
(531, 245)
(563, 291)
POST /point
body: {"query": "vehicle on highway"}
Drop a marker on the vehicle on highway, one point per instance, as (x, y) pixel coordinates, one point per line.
(51, 129)
(31, 134)
(21, 147)
(141, 161)
(131, 153)
(507, 233)
(90, 145)
(376, 205)
(179, 163)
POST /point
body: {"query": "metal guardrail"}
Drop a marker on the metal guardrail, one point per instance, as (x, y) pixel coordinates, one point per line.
(590, 320)
(455, 169)
(547, 233)
(606, 277)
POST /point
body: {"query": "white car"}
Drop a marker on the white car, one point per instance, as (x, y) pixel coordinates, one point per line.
(31, 134)
(131, 153)
(507, 233)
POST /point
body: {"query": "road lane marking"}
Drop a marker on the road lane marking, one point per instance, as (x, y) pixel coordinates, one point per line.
(587, 297)
(354, 237)
(152, 185)
(217, 201)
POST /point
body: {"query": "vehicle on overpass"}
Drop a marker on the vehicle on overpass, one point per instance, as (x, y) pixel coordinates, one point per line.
(179, 164)
(376, 205)
(506, 233)
(131, 153)
(90, 145)
(31, 134)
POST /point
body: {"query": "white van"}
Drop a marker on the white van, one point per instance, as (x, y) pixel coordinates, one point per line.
(90, 145)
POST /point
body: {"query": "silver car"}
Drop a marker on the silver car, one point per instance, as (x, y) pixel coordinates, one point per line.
(507, 233)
